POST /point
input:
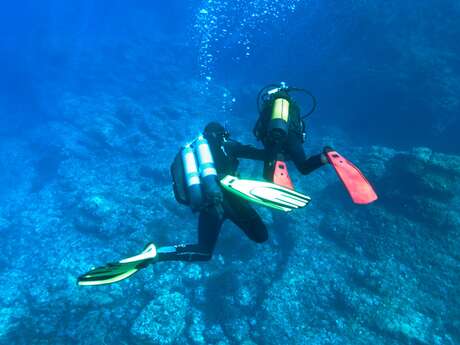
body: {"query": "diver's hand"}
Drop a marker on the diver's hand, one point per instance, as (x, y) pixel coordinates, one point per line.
(326, 150)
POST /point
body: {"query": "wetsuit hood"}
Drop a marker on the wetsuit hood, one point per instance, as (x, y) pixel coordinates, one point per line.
(215, 132)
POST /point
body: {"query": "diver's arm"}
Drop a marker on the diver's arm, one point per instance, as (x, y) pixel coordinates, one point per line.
(238, 150)
(311, 164)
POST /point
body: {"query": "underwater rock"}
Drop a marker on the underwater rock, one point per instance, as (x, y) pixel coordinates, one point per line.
(162, 321)
(215, 335)
(93, 212)
(155, 175)
(10, 295)
(46, 167)
(245, 296)
(96, 207)
(9, 321)
(421, 184)
(197, 328)
(422, 172)
(95, 323)
(16, 170)
(239, 329)
(4, 224)
(193, 273)
(408, 325)
(128, 111)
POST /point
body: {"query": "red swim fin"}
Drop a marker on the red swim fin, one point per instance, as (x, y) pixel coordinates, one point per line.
(355, 182)
(281, 175)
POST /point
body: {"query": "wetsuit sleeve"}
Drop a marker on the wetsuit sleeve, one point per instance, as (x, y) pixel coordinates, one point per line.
(309, 165)
(239, 150)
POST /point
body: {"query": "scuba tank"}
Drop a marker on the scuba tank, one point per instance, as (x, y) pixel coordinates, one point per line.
(278, 125)
(279, 114)
(192, 178)
(208, 173)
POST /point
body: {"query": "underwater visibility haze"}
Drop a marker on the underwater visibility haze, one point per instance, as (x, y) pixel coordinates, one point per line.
(162, 180)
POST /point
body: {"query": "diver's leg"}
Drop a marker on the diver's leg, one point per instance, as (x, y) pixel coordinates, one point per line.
(304, 165)
(209, 224)
(247, 219)
(309, 165)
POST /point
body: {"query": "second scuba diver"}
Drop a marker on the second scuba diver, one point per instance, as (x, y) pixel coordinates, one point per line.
(281, 129)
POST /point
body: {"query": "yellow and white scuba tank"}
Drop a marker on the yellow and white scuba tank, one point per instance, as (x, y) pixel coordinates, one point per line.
(278, 125)
(279, 114)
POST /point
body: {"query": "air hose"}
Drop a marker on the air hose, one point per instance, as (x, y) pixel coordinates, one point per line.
(270, 89)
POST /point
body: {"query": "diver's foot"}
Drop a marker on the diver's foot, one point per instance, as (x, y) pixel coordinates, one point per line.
(117, 271)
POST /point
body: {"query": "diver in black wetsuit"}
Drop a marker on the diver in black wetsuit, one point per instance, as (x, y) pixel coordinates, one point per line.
(281, 129)
(225, 153)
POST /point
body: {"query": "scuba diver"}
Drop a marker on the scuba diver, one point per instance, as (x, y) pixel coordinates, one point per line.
(203, 178)
(281, 129)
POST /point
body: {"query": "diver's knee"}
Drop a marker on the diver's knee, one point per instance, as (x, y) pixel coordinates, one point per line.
(202, 255)
(261, 238)
(207, 256)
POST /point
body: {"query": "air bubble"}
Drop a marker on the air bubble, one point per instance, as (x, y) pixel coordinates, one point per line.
(223, 25)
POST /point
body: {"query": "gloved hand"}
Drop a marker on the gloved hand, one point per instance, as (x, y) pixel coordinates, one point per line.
(327, 149)
(324, 158)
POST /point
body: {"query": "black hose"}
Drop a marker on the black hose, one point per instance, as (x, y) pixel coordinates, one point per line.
(261, 92)
(313, 98)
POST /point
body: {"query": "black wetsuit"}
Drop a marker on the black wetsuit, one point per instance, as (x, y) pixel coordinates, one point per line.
(289, 148)
(236, 209)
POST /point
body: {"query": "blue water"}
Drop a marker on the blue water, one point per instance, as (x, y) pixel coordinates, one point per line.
(96, 99)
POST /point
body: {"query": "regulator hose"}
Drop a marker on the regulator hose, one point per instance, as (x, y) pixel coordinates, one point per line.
(313, 99)
(264, 90)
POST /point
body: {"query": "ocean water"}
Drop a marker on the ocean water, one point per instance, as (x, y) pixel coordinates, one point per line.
(96, 98)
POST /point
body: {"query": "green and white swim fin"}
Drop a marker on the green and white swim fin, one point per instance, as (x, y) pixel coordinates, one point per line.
(265, 193)
(114, 272)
